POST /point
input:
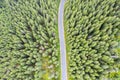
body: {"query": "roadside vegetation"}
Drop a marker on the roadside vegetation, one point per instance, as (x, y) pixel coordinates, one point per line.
(92, 28)
(29, 43)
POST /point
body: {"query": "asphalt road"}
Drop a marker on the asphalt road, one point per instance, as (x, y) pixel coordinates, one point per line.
(62, 41)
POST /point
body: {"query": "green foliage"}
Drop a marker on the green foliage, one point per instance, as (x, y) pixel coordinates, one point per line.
(29, 40)
(2, 3)
(114, 75)
(91, 28)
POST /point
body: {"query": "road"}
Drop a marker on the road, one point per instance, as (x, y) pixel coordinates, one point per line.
(62, 41)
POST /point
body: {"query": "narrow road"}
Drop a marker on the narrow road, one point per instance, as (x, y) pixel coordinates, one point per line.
(62, 41)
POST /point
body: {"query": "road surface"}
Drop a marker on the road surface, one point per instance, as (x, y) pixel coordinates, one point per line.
(62, 41)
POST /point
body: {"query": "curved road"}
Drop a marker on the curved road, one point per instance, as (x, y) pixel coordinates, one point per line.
(62, 41)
